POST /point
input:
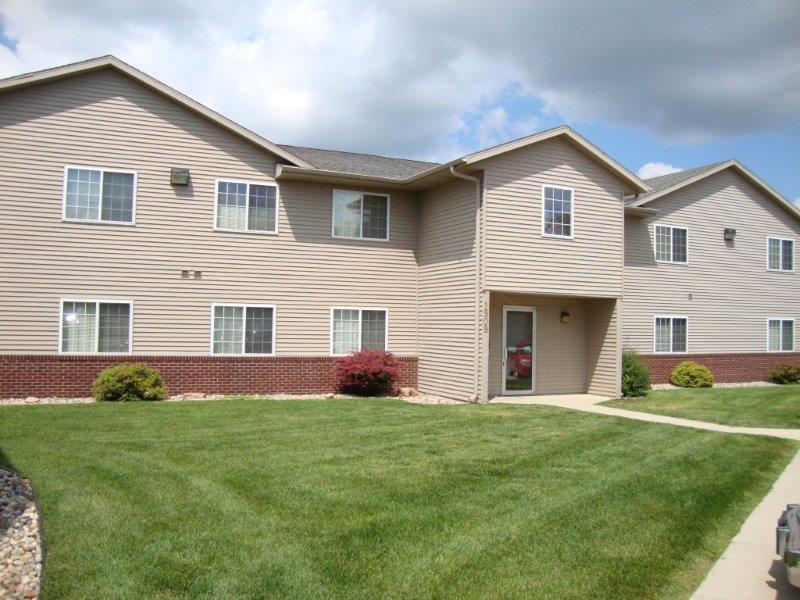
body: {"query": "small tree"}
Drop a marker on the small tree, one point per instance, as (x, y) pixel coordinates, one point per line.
(635, 375)
(690, 374)
(366, 373)
(128, 382)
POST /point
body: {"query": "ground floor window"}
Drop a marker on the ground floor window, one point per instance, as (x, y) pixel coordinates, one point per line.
(780, 335)
(670, 334)
(239, 329)
(91, 326)
(354, 329)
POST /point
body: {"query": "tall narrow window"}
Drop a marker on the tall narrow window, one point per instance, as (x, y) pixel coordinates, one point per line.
(780, 254)
(99, 195)
(557, 211)
(89, 326)
(243, 206)
(670, 335)
(671, 244)
(360, 216)
(780, 335)
(354, 329)
(243, 330)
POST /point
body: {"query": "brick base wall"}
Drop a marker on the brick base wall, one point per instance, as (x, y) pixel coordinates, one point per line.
(72, 376)
(726, 368)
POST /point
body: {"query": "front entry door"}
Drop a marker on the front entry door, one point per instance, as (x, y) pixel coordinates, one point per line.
(519, 350)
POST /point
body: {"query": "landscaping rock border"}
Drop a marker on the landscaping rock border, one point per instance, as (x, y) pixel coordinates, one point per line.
(198, 397)
(21, 549)
(669, 386)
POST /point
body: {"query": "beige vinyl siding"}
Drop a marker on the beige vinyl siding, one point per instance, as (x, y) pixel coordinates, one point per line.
(447, 335)
(105, 119)
(603, 348)
(518, 257)
(732, 293)
(560, 358)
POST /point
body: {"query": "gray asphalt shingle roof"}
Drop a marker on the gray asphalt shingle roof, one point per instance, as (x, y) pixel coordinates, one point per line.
(360, 164)
(665, 181)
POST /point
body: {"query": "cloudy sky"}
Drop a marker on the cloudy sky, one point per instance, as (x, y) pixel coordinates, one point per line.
(659, 85)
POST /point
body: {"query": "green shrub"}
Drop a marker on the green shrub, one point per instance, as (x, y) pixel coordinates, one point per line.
(128, 382)
(690, 374)
(784, 374)
(635, 375)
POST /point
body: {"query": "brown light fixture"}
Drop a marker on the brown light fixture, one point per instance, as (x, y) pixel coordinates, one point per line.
(179, 176)
(564, 316)
(730, 234)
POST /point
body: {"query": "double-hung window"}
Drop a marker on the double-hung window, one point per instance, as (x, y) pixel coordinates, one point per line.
(244, 206)
(670, 335)
(671, 244)
(780, 254)
(101, 195)
(354, 329)
(238, 329)
(557, 211)
(92, 326)
(780, 335)
(360, 216)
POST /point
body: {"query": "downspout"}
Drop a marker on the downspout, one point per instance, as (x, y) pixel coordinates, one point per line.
(478, 242)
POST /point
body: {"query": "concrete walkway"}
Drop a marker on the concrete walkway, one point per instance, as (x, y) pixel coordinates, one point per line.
(749, 569)
(589, 403)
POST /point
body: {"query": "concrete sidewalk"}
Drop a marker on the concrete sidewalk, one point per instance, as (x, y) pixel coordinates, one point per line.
(749, 569)
(589, 403)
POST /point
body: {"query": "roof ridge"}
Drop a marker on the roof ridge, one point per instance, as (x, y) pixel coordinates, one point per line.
(359, 153)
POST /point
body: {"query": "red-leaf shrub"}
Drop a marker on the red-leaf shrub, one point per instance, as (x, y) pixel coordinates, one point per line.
(366, 373)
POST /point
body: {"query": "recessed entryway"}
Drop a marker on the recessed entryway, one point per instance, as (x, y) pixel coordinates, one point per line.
(519, 350)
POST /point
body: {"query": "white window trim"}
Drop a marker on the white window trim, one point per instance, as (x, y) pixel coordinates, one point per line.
(670, 317)
(360, 309)
(794, 333)
(670, 261)
(571, 235)
(781, 239)
(244, 308)
(361, 237)
(97, 302)
(103, 171)
(247, 208)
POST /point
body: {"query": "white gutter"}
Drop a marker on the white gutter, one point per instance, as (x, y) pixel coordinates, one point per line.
(478, 237)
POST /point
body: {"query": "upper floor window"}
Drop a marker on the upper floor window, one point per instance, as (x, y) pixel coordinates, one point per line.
(780, 335)
(780, 254)
(670, 335)
(243, 329)
(244, 206)
(671, 244)
(101, 195)
(360, 215)
(557, 211)
(90, 326)
(354, 329)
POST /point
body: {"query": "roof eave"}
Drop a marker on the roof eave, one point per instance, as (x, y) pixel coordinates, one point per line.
(93, 64)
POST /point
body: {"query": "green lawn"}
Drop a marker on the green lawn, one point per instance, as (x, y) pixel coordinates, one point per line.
(776, 406)
(373, 498)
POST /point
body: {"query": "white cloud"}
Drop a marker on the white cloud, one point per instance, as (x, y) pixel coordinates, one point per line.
(409, 79)
(656, 169)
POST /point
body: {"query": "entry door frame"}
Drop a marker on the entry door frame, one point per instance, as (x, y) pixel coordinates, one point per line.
(507, 308)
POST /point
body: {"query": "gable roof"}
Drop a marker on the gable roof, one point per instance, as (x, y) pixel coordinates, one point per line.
(666, 184)
(113, 62)
(570, 134)
(360, 164)
(365, 167)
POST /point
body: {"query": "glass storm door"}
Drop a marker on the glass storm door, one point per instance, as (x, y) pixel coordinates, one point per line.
(519, 349)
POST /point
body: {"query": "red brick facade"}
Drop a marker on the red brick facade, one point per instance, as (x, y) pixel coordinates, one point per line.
(72, 376)
(727, 368)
